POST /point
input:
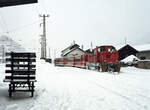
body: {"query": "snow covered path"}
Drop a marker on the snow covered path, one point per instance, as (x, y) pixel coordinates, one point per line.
(66, 88)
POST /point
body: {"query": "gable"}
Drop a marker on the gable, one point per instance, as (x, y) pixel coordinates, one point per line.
(126, 51)
(75, 52)
(70, 47)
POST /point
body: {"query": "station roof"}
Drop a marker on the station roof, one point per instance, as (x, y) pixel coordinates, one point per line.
(6, 3)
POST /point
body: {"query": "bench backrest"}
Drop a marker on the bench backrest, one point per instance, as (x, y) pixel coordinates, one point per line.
(21, 66)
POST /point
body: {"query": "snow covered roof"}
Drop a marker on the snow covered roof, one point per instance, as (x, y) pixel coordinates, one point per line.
(142, 47)
(129, 58)
(73, 50)
(69, 49)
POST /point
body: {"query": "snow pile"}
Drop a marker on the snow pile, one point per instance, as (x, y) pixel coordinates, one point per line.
(67, 88)
(129, 59)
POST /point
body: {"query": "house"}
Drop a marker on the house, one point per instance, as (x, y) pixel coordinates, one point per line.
(143, 55)
(144, 52)
(126, 51)
(72, 50)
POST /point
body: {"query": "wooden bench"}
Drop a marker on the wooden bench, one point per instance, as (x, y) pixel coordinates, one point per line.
(20, 72)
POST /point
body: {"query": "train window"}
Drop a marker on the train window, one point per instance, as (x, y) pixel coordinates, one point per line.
(101, 49)
(77, 59)
(142, 58)
(111, 49)
(71, 59)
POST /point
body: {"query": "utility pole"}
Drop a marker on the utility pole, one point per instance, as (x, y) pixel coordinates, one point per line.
(49, 53)
(42, 48)
(54, 53)
(43, 40)
(91, 46)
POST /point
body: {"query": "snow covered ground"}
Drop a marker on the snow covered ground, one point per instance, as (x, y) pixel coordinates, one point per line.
(67, 88)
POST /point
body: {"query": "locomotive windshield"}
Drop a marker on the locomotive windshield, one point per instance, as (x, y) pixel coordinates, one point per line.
(111, 49)
(101, 49)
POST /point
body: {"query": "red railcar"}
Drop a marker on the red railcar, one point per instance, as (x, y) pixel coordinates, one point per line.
(103, 57)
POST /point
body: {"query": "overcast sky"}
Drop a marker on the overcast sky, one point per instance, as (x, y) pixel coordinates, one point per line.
(83, 21)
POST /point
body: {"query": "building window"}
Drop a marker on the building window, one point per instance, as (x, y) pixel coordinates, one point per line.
(142, 58)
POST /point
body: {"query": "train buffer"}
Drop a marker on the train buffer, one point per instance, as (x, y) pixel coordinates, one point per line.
(20, 72)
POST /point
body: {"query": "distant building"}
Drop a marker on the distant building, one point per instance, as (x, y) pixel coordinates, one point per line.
(126, 51)
(72, 50)
(144, 51)
(143, 55)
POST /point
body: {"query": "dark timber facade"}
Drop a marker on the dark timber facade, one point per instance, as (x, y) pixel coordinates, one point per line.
(126, 51)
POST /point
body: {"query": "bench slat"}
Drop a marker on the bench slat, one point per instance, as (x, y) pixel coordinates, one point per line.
(21, 54)
(21, 74)
(21, 65)
(24, 90)
(20, 77)
(19, 81)
(20, 60)
(23, 71)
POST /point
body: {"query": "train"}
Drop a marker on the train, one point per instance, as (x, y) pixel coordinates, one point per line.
(102, 58)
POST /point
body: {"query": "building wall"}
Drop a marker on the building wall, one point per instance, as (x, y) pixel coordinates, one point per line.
(75, 52)
(143, 64)
(143, 55)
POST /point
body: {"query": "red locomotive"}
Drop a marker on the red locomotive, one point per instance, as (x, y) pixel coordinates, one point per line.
(103, 58)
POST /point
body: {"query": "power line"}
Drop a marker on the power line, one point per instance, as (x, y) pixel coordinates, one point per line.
(21, 27)
(2, 28)
(3, 24)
